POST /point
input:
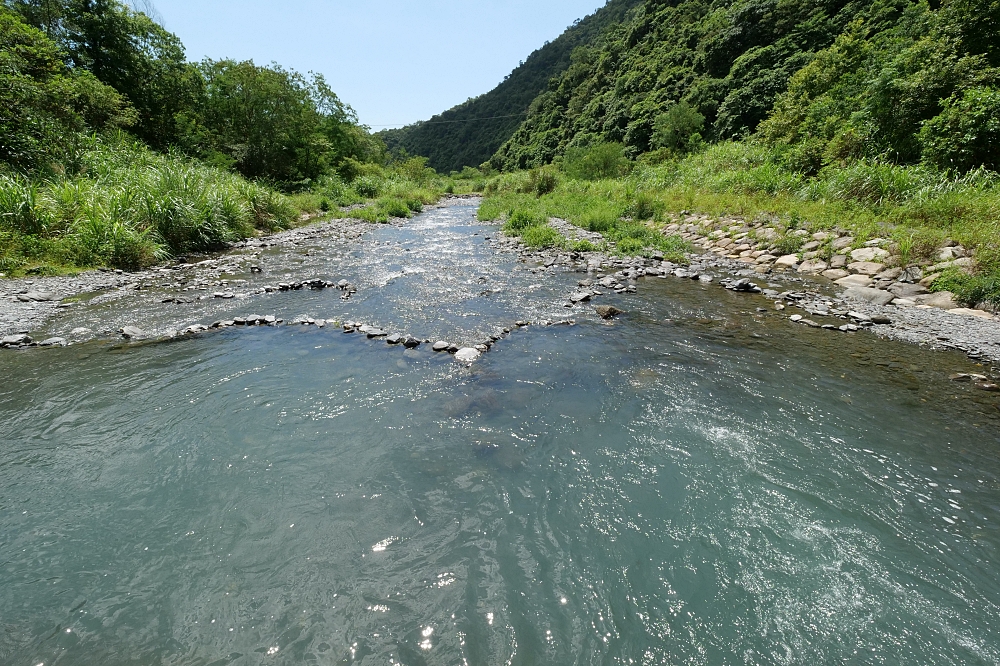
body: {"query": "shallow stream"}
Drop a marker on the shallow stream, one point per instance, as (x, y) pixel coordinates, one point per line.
(695, 483)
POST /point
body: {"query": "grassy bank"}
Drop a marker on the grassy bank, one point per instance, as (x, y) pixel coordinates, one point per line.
(916, 208)
(128, 207)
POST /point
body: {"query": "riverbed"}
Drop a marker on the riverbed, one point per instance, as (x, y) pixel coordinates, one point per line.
(698, 481)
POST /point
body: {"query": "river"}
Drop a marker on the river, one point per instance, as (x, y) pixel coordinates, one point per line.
(696, 482)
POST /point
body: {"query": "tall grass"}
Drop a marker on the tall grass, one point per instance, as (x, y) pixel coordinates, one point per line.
(129, 207)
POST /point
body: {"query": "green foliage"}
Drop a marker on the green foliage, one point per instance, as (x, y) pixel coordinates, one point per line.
(132, 208)
(966, 134)
(789, 244)
(470, 133)
(970, 290)
(602, 160)
(521, 220)
(541, 236)
(679, 129)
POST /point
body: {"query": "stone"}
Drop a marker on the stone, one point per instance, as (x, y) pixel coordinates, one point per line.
(835, 274)
(787, 261)
(891, 274)
(411, 342)
(904, 290)
(967, 377)
(842, 243)
(876, 242)
(903, 302)
(821, 236)
(467, 355)
(813, 266)
(911, 274)
(15, 340)
(944, 300)
(796, 318)
(881, 320)
(987, 386)
(607, 311)
(39, 296)
(865, 268)
(838, 261)
(766, 259)
(580, 297)
(394, 339)
(376, 333)
(868, 295)
(810, 246)
(855, 281)
(440, 346)
(869, 254)
(951, 253)
(969, 312)
(132, 333)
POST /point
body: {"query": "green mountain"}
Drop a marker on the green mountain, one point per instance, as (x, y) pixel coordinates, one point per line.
(827, 80)
(461, 137)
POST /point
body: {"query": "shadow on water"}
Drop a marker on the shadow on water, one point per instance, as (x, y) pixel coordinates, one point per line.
(697, 482)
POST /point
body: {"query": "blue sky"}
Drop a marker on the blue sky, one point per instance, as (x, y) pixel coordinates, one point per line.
(394, 61)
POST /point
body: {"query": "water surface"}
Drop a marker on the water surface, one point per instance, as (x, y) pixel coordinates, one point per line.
(697, 483)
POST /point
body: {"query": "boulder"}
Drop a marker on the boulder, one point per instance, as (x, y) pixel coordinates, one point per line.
(787, 261)
(15, 340)
(903, 290)
(607, 311)
(467, 355)
(813, 266)
(411, 342)
(376, 333)
(835, 274)
(838, 261)
(580, 297)
(394, 339)
(944, 300)
(869, 254)
(132, 333)
(969, 312)
(53, 342)
(891, 274)
(951, 253)
(39, 296)
(842, 243)
(440, 346)
(912, 274)
(855, 281)
(868, 295)
(865, 268)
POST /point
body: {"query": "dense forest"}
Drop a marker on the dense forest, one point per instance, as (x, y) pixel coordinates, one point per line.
(470, 133)
(827, 80)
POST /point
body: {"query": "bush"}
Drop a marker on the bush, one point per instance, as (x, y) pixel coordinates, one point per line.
(602, 160)
(788, 245)
(966, 134)
(644, 207)
(679, 129)
(368, 187)
(394, 207)
(520, 220)
(540, 236)
(971, 290)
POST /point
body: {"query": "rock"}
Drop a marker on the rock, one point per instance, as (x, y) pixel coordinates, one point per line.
(869, 254)
(987, 386)
(944, 300)
(38, 296)
(394, 339)
(705, 278)
(835, 274)
(858, 316)
(813, 266)
(951, 253)
(903, 290)
(891, 274)
(967, 377)
(411, 342)
(911, 274)
(607, 311)
(838, 261)
(876, 242)
(810, 323)
(467, 355)
(15, 340)
(270, 319)
(881, 320)
(376, 333)
(868, 295)
(787, 261)
(580, 297)
(440, 346)
(855, 281)
(132, 333)
(53, 342)
(842, 243)
(224, 294)
(968, 312)
(865, 268)
(810, 246)
(903, 302)
(796, 318)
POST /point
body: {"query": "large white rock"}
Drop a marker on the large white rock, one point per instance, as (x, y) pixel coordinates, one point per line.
(787, 261)
(468, 355)
(855, 281)
(870, 254)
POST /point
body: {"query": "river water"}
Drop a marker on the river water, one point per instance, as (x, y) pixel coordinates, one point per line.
(695, 483)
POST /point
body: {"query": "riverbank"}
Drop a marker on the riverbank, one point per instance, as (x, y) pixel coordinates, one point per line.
(196, 294)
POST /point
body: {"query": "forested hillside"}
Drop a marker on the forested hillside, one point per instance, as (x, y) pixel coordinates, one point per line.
(458, 138)
(823, 81)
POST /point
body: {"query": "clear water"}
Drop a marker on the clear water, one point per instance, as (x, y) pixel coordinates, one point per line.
(698, 483)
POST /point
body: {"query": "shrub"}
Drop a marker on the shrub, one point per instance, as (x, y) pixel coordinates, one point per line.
(971, 290)
(368, 187)
(679, 129)
(540, 236)
(602, 160)
(520, 220)
(600, 221)
(788, 244)
(644, 207)
(394, 207)
(630, 246)
(966, 134)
